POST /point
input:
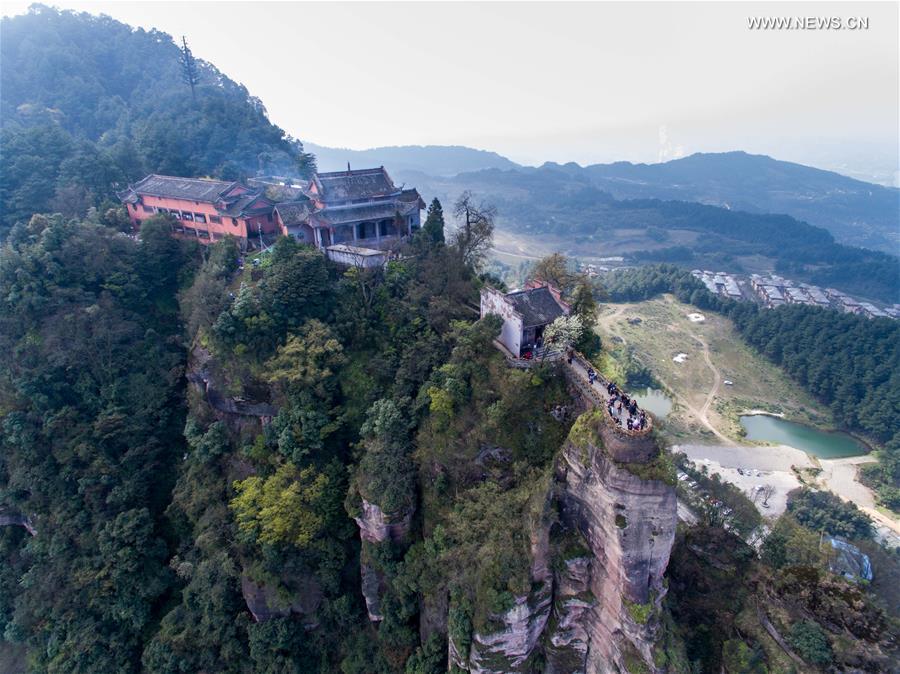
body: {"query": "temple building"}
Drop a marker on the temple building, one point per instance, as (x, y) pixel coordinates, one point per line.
(361, 208)
(207, 210)
(525, 314)
(352, 214)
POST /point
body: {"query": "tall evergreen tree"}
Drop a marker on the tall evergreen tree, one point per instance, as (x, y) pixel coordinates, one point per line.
(434, 222)
(189, 71)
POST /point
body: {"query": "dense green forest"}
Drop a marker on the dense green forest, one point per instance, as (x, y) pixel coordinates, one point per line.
(90, 104)
(93, 413)
(152, 510)
(848, 362)
(161, 517)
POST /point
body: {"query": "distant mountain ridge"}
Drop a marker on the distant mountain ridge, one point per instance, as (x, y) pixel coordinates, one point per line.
(855, 212)
(435, 160)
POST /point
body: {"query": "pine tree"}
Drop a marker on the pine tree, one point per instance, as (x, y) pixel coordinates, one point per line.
(434, 222)
(189, 72)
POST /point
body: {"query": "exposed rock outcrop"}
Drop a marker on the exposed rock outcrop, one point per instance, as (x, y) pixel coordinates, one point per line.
(625, 510)
(375, 528)
(519, 629)
(264, 605)
(14, 519)
(598, 611)
(508, 649)
(235, 411)
(568, 638)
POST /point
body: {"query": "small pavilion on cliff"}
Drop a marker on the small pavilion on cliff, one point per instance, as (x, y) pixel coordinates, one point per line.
(525, 313)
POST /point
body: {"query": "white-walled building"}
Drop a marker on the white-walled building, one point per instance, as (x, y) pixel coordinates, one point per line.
(525, 314)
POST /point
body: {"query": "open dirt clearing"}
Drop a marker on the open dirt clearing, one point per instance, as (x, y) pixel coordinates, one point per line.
(704, 407)
(704, 420)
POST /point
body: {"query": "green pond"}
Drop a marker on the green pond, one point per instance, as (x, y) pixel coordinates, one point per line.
(654, 401)
(825, 445)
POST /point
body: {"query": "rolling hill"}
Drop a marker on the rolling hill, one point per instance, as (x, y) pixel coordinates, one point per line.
(554, 208)
(857, 213)
(435, 160)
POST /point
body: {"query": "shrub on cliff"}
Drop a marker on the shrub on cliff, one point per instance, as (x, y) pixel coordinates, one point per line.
(809, 640)
(385, 474)
(281, 509)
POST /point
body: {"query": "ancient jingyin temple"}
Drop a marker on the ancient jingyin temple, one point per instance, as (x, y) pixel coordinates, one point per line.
(353, 215)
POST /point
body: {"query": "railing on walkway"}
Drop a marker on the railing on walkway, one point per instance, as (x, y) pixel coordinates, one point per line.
(600, 398)
(597, 396)
(538, 356)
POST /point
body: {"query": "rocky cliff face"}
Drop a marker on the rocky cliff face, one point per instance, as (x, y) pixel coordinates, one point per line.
(377, 527)
(519, 629)
(15, 519)
(264, 604)
(595, 609)
(238, 413)
(568, 638)
(625, 512)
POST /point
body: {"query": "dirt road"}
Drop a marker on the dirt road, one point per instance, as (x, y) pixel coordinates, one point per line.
(839, 476)
(703, 413)
(608, 322)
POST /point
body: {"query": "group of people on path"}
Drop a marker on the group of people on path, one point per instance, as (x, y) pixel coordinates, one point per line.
(619, 402)
(635, 419)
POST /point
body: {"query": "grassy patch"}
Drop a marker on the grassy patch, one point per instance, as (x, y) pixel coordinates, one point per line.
(585, 431)
(665, 331)
(640, 613)
(661, 469)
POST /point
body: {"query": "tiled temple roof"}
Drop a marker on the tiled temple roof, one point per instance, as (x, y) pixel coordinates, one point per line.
(336, 215)
(172, 187)
(536, 306)
(350, 185)
(293, 212)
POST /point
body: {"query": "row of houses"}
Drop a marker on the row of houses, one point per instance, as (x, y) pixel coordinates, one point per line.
(774, 291)
(719, 283)
(346, 213)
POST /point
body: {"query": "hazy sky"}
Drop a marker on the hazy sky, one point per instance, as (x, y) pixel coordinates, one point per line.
(557, 81)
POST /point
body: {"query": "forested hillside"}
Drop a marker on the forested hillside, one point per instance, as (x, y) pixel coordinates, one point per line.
(90, 104)
(187, 442)
(214, 461)
(93, 414)
(855, 212)
(435, 160)
(584, 220)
